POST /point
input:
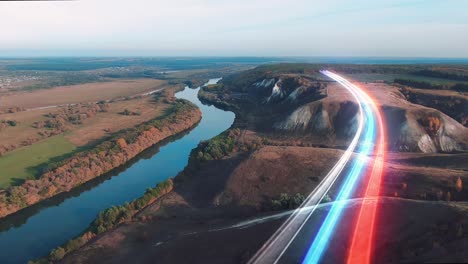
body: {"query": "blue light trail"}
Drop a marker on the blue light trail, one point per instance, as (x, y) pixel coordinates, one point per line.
(320, 243)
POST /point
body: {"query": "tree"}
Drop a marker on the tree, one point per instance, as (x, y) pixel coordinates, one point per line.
(11, 122)
(326, 199)
(122, 143)
(459, 185)
(297, 200)
(74, 244)
(57, 254)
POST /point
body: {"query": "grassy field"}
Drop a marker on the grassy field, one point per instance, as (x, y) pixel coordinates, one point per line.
(89, 92)
(94, 128)
(23, 130)
(19, 164)
(22, 163)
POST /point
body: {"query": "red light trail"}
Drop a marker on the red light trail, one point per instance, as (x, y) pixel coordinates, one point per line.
(360, 251)
(361, 242)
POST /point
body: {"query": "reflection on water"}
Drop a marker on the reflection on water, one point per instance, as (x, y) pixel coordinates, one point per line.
(33, 232)
(18, 219)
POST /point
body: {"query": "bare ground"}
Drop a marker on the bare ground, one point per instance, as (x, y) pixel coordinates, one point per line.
(221, 193)
(89, 92)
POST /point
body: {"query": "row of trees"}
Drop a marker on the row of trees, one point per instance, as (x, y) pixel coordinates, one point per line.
(108, 219)
(12, 110)
(127, 112)
(286, 201)
(115, 215)
(225, 144)
(460, 87)
(5, 123)
(219, 146)
(86, 165)
(56, 123)
(443, 75)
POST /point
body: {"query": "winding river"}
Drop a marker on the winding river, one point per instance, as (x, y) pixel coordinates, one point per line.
(33, 232)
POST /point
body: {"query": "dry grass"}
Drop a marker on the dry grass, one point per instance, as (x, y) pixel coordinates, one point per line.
(89, 92)
(95, 128)
(23, 130)
(18, 163)
(92, 128)
(5, 90)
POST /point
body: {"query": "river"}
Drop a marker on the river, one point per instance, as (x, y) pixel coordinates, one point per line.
(33, 232)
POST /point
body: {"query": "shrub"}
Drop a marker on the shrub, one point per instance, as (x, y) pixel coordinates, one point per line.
(74, 244)
(419, 84)
(218, 147)
(11, 123)
(115, 215)
(286, 201)
(57, 254)
(460, 87)
(459, 185)
(326, 199)
(17, 195)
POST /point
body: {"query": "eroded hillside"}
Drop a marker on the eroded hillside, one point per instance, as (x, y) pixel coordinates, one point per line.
(291, 126)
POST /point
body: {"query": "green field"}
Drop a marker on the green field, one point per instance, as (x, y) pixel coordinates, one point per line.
(22, 163)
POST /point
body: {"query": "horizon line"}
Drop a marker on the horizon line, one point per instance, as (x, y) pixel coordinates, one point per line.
(229, 56)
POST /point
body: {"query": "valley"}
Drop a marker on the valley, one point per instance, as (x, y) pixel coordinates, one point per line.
(291, 127)
(292, 124)
(233, 132)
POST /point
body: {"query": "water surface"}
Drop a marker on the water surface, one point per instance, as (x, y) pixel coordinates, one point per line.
(33, 232)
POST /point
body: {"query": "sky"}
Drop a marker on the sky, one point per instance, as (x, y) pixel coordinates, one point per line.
(375, 28)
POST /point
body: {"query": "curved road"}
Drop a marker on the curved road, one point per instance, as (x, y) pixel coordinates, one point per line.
(370, 127)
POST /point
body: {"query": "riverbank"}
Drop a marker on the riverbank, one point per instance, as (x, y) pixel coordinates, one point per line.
(33, 232)
(269, 160)
(133, 212)
(107, 220)
(87, 165)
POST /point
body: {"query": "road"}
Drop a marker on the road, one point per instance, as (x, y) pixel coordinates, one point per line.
(368, 140)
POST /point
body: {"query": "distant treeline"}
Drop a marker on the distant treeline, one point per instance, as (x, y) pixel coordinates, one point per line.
(64, 80)
(135, 74)
(167, 63)
(460, 87)
(443, 75)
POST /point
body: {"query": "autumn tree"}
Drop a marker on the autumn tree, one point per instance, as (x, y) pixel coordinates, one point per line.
(459, 185)
(122, 143)
(57, 254)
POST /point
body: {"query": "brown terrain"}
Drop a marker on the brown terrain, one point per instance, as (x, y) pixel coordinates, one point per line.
(290, 129)
(107, 155)
(113, 120)
(89, 92)
(91, 128)
(85, 121)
